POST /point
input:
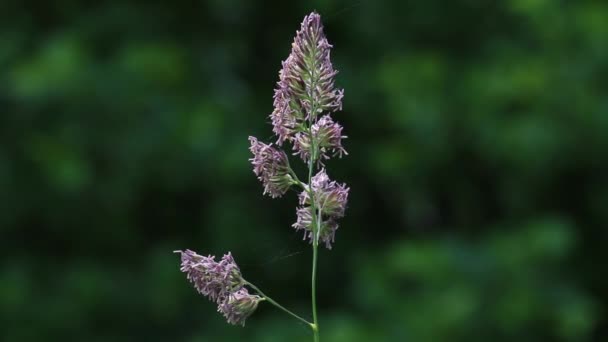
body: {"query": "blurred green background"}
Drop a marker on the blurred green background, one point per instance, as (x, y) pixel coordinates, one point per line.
(478, 169)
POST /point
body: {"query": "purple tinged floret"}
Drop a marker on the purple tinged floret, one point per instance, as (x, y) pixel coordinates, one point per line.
(330, 199)
(286, 110)
(330, 196)
(306, 82)
(213, 279)
(222, 283)
(304, 222)
(327, 136)
(271, 166)
(312, 68)
(239, 306)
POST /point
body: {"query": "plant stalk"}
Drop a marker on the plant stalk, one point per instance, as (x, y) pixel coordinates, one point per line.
(315, 325)
(271, 301)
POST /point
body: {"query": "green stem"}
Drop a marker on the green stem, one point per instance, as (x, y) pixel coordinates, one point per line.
(296, 180)
(271, 301)
(315, 325)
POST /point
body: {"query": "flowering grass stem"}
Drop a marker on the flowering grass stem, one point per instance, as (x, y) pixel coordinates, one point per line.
(273, 302)
(304, 98)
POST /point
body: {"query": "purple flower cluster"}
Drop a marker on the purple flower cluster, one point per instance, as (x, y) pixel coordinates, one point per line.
(330, 200)
(303, 100)
(307, 77)
(304, 90)
(211, 278)
(271, 167)
(328, 137)
(221, 282)
(238, 306)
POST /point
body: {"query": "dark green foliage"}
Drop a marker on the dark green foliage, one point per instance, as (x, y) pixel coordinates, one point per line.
(478, 170)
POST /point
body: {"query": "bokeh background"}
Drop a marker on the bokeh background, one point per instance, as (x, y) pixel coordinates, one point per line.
(478, 167)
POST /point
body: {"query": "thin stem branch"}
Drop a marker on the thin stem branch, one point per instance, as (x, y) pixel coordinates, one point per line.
(271, 301)
(296, 180)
